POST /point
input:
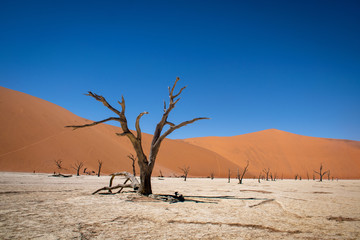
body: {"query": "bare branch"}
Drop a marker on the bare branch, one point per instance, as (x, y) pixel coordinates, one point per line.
(179, 92)
(94, 123)
(173, 87)
(173, 128)
(103, 100)
(170, 123)
(133, 159)
(121, 134)
(137, 125)
(122, 104)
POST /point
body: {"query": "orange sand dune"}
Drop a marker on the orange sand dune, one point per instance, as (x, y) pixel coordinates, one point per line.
(287, 154)
(33, 137)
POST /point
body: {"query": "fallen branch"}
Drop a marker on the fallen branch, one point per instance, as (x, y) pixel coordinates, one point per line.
(60, 175)
(134, 183)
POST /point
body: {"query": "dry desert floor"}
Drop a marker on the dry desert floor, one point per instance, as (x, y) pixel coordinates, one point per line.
(36, 206)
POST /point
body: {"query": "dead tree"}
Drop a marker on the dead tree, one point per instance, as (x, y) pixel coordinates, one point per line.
(328, 175)
(307, 175)
(161, 174)
(100, 163)
(134, 183)
(59, 165)
(259, 178)
(266, 171)
(229, 175)
(275, 176)
(146, 163)
(296, 176)
(212, 174)
(241, 176)
(185, 171)
(321, 173)
(77, 166)
(133, 159)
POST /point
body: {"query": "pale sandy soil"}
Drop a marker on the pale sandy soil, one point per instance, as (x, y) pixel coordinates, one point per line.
(35, 206)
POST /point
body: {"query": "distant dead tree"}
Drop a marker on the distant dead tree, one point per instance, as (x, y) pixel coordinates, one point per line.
(275, 176)
(328, 175)
(307, 175)
(59, 165)
(77, 166)
(321, 173)
(300, 177)
(229, 175)
(314, 177)
(100, 163)
(161, 174)
(266, 171)
(185, 171)
(146, 163)
(133, 159)
(212, 174)
(241, 176)
(259, 178)
(296, 176)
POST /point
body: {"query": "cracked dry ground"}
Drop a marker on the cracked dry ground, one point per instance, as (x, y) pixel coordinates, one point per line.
(35, 206)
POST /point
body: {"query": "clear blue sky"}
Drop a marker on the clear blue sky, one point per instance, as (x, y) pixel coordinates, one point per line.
(249, 65)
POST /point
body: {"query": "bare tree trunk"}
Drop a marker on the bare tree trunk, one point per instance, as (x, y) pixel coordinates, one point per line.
(145, 183)
(241, 176)
(229, 175)
(266, 171)
(99, 169)
(259, 178)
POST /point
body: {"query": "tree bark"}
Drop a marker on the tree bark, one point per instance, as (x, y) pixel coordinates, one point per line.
(145, 182)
